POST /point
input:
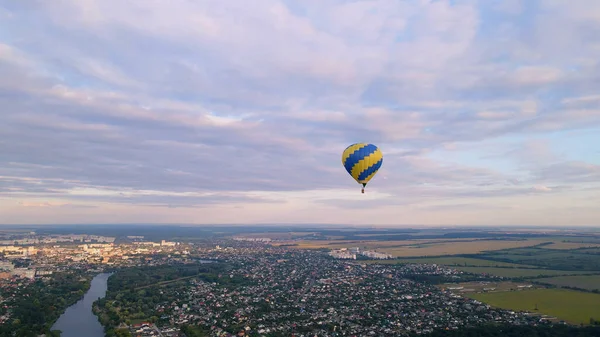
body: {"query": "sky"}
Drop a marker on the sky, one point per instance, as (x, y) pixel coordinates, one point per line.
(487, 112)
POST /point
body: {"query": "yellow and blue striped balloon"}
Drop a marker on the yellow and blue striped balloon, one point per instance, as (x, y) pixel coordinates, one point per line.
(362, 161)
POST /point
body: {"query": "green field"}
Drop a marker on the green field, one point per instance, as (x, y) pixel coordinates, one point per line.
(518, 272)
(548, 258)
(478, 286)
(590, 282)
(569, 238)
(572, 306)
(453, 261)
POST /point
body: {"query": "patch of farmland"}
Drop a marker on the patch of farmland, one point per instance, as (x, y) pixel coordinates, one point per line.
(571, 245)
(449, 248)
(588, 282)
(575, 307)
(452, 261)
(551, 259)
(518, 272)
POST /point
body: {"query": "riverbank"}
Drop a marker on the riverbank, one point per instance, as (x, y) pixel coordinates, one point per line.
(34, 306)
(79, 319)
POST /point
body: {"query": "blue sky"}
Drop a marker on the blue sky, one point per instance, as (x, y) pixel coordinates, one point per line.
(487, 112)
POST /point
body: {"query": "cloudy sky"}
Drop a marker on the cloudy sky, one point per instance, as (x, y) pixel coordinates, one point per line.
(227, 111)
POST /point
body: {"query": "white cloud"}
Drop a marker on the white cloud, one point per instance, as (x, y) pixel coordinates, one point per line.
(132, 105)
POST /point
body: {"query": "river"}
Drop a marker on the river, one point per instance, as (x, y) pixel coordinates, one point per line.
(79, 320)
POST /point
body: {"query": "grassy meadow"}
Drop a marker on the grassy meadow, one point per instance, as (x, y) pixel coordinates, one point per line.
(572, 306)
(453, 261)
(572, 245)
(456, 248)
(519, 272)
(478, 286)
(363, 244)
(563, 259)
(588, 282)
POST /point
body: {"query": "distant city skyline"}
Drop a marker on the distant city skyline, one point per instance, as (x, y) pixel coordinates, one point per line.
(235, 112)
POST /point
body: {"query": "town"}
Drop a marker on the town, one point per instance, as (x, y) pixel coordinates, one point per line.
(305, 293)
(259, 290)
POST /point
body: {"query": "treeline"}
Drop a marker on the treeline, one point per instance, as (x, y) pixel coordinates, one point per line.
(518, 331)
(37, 306)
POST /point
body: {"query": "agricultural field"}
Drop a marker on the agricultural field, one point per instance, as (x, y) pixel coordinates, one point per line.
(276, 235)
(572, 306)
(316, 244)
(474, 287)
(452, 261)
(571, 245)
(574, 238)
(588, 282)
(451, 248)
(364, 244)
(375, 234)
(589, 251)
(533, 257)
(518, 272)
(547, 258)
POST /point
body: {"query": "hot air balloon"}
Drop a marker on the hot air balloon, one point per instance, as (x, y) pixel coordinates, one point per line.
(362, 161)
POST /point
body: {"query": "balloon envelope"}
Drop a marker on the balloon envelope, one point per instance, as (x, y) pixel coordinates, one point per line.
(362, 161)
